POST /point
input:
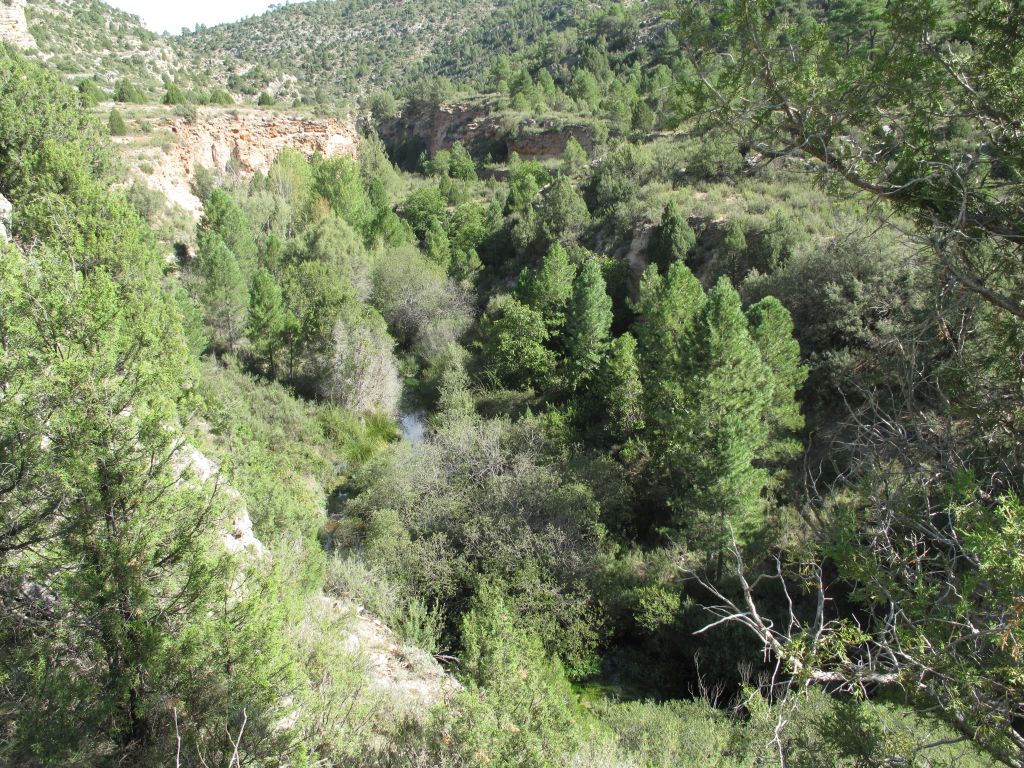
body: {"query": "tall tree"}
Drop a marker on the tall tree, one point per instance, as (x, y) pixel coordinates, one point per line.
(266, 319)
(673, 239)
(549, 288)
(620, 390)
(221, 290)
(588, 324)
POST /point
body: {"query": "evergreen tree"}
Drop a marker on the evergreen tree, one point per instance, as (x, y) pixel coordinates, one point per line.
(672, 240)
(574, 157)
(708, 427)
(588, 324)
(461, 166)
(514, 345)
(563, 214)
(174, 95)
(116, 124)
(224, 217)
(438, 246)
(734, 251)
(549, 288)
(620, 390)
(266, 318)
(221, 290)
(771, 328)
(666, 311)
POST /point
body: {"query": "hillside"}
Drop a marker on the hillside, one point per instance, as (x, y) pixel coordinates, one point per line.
(514, 384)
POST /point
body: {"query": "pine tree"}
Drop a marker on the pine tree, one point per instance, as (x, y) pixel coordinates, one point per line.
(439, 248)
(666, 311)
(771, 328)
(619, 389)
(223, 216)
(710, 427)
(116, 124)
(221, 290)
(563, 213)
(588, 324)
(266, 318)
(549, 288)
(673, 239)
(734, 251)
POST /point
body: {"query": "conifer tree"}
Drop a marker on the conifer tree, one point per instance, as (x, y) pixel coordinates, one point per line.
(673, 239)
(223, 216)
(588, 324)
(549, 288)
(266, 318)
(710, 427)
(733, 251)
(116, 124)
(221, 290)
(563, 213)
(620, 390)
(439, 248)
(771, 328)
(666, 310)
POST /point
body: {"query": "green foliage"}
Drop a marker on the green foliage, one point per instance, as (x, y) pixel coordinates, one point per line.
(174, 95)
(672, 240)
(220, 288)
(588, 324)
(513, 340)
(127, 92)
(116, 124)
(266, 318)
(620, 390)
(562, 215)
(549, 288)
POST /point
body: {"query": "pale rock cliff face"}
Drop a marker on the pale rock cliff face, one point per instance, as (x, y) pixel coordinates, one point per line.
(245, 140)
(6, 211)
(239, 539)
(14, 25)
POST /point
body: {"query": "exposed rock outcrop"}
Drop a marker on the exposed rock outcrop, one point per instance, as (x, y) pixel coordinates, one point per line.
(481, 131)
(407, 675)
(6, 211)
(547, 140)
(14, 25)
(239, 539)
(245, 140)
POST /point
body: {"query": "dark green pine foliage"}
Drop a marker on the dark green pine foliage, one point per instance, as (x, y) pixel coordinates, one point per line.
(223, 216)
(620, 391)
(220, 288)
(716, 427)
(771, 328)
(588, 324)
(672, 240)
(266, 321)
(549, 288)
(666, 311)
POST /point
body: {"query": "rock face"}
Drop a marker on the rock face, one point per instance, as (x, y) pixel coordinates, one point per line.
(410, 677)
(546, 141)
(246, 141)
(239, 539)
(481, 131)
(14, 25)
(6, 209)
(407, 136)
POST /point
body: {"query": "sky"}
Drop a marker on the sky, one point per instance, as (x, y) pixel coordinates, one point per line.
(164, 16)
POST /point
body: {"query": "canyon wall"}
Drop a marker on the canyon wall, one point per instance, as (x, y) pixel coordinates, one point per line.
(14, 25)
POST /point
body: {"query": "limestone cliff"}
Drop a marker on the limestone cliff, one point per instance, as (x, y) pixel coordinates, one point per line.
(14, 25)
(244, 141)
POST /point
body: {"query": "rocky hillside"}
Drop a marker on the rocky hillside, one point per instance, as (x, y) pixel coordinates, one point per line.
(165, 150)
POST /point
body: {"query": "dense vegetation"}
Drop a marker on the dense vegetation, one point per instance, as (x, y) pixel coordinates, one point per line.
(714, 405)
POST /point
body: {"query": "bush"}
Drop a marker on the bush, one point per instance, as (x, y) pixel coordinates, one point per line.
(116, 123)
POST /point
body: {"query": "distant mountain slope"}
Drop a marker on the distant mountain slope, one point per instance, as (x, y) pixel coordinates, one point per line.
(342, 48)
(88, 37)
